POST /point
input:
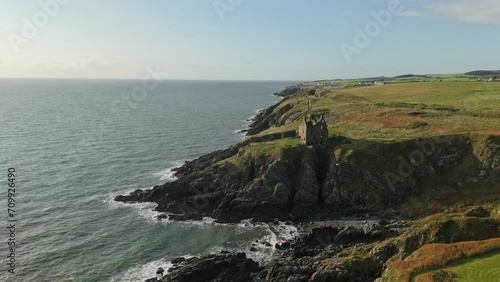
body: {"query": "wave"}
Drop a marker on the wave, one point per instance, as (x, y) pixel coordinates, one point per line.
(146, 271)
(282, 231)
(257, 112)
(263, 250)
(168, 173)
(145, 210)
(141, 273)
(246, 123)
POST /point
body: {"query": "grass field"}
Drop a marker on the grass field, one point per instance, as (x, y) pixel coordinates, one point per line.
(401, 111)
(406, 79)
(423, 263)
(481, 268)
(366, 122)
(485, 268)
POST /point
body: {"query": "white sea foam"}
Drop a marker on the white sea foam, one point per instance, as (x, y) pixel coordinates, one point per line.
(280, 231)
(263, 249)
(168, 173)
(204, 222)
(143, 272)
(145, 210)
(243, 131)
(263, 253)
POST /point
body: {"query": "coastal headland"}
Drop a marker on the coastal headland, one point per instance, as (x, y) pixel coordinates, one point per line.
(420, 154)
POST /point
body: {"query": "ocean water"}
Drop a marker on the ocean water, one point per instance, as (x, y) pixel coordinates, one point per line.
(75, 144)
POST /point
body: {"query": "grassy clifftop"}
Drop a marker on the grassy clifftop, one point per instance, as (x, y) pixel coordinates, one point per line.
(399, 111)
(422, 148)
(423, 156)
(402, 149)
(382, 132)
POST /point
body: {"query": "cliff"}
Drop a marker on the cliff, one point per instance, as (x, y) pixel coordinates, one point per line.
(397, 152)
(362, 169)
(388, 251)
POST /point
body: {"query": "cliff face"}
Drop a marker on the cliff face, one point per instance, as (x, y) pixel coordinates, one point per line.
(369, 166)
(289, 91)
(274, 176)
(328, 252)
(273, 116)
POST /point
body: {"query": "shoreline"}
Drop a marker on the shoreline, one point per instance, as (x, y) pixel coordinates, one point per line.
(249, 180)
(278, 247)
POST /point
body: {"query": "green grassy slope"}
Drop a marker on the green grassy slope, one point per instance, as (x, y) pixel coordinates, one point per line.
(368, 123)
(485, 268)
(401, 111)
(479, 268)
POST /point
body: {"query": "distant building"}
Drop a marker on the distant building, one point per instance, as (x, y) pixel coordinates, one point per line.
(329, 85)
(370, 83)
(313, 132)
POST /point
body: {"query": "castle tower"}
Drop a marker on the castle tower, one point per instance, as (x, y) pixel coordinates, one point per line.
(313, 132)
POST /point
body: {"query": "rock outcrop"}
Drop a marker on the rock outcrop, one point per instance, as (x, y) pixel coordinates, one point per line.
(329, 253)
(264, 178)
(271, 176)
(289, 91)
(303, 183)
(224, 267)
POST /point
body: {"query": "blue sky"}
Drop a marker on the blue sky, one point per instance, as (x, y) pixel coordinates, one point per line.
(245, 39)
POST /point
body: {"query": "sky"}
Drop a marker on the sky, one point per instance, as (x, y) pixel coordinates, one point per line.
(246, 39)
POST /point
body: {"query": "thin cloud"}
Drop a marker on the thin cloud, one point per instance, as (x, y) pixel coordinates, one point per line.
(93, 63)
(473, 11)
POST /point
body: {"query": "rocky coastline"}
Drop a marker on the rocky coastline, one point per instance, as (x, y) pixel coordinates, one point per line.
(326, 251)
(309, 187)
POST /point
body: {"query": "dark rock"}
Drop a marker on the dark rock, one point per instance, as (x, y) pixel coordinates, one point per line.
(282, 246)
(385, 251)
(306, 183)
(178, 260)
(138, 195)
(350, 234)
(221, 268)
(477, 212)
(289, 91)
(162, 216)
(383, 223)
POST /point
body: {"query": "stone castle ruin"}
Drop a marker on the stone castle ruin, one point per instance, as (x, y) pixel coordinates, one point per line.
(313, 131)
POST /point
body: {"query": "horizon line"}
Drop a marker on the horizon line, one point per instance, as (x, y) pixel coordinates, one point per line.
(270, 80)
(166, 79)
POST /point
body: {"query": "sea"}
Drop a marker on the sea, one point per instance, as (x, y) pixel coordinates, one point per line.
(73, 145)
